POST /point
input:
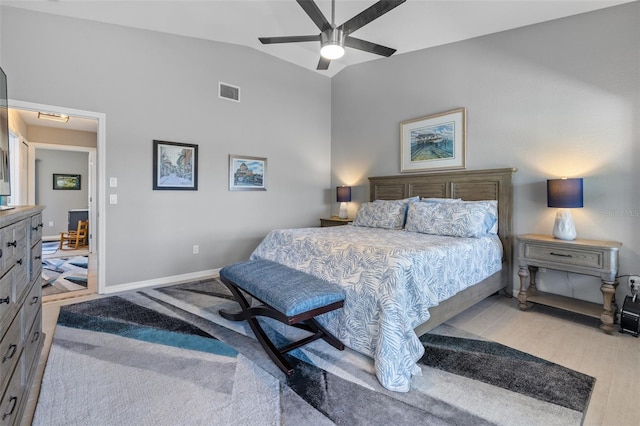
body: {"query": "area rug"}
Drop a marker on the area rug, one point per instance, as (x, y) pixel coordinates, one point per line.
(64, 274)
(165, 357)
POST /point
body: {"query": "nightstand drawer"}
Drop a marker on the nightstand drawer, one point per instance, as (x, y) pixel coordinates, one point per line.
(587, 258)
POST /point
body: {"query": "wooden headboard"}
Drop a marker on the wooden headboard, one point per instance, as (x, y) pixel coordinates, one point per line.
(470, 185)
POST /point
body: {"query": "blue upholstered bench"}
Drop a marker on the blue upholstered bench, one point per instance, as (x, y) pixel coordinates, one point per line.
(287, 295)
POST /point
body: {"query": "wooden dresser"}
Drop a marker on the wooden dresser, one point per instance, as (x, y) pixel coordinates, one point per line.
(21, 337)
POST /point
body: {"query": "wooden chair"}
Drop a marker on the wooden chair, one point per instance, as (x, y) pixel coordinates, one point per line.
(72, 240)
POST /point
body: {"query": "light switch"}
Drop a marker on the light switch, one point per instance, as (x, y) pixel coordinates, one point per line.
(113, 198)
(113, 182)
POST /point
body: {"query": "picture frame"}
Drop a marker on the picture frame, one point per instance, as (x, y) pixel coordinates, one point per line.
(247, 173)
(175, 166)
(434, 142)
(66, 181)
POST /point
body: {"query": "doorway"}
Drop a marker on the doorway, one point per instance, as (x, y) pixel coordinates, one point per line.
(94, 184)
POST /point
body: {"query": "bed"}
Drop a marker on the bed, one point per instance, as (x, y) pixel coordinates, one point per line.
(391, 276)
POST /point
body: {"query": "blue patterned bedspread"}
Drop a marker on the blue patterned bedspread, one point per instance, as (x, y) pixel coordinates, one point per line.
(391, 279)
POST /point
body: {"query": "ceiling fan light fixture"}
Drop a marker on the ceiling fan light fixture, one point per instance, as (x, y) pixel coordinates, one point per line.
(332, 44)
(332, 51)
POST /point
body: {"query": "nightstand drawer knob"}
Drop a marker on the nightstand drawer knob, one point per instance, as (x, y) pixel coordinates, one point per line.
(560, 254)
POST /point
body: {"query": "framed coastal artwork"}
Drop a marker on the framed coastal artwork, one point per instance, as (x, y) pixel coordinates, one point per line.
(175, 166)
(434, 142)
(247, 173)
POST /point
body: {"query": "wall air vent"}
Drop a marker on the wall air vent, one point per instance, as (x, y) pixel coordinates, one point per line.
(228, 91)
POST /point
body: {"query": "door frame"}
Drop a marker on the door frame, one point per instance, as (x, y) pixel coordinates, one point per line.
(98, 183)
(31, 173)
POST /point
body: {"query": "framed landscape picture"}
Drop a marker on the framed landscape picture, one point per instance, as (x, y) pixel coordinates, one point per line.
(247, 173)
(175, 166)
(66, 181)
(435, 142)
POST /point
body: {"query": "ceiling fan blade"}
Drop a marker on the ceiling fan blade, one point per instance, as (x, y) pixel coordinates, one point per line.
(367, 46)
(315, 14)
(288, 39)
(374, 11)
(323, 63)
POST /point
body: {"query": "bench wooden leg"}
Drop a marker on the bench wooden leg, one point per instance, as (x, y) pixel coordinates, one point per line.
(250, 314)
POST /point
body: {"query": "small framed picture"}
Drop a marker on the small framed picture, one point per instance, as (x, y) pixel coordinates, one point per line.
(434, 142)
(66, 181)
(175, 166)
(247, 173)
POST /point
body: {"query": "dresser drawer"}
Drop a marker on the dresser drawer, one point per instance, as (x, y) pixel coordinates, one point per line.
(565, 256)
(10, 404)
(35, 266)
(35, 229)
(21, 275)
(7, 299)
(32, 305)
(33, 341)
(10, 348)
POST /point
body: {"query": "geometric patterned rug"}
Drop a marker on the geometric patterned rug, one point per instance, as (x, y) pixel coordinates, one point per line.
(64, 274)
(165, 356)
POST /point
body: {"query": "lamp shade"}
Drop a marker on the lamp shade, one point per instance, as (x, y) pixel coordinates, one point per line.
(343, 194)
(564, 193)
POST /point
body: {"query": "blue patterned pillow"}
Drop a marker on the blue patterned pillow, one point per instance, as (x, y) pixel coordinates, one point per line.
(449, 219)
(382, 214)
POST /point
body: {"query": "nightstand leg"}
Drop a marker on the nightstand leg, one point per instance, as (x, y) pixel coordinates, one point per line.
(523, 272)
(607, 318)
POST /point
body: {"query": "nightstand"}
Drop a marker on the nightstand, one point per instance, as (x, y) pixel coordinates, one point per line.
(334, 221)
(588, 257)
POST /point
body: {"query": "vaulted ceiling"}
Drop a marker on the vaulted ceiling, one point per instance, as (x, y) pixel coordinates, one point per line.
(414, 25)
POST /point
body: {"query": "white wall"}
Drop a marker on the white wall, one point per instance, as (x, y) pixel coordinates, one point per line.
(152, 86)
(556, 99)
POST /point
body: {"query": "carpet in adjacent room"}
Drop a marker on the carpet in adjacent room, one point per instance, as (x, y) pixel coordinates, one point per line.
(165, 356)
(63, 274)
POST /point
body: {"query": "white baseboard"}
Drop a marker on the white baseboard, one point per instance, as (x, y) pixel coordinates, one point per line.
(175, 279)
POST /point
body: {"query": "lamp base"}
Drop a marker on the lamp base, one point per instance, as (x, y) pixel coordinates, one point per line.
(343, 214)
(563, 228)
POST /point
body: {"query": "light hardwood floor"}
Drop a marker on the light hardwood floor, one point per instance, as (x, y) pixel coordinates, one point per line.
(564, 338)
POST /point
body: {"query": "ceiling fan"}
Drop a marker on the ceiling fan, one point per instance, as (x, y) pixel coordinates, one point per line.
(333, 39)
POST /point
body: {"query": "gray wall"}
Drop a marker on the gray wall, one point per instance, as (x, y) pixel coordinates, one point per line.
(156, 86)
(556, 99)
(59, 202)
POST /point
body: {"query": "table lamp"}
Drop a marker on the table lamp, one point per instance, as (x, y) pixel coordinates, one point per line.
(565, 194)
(344, 196)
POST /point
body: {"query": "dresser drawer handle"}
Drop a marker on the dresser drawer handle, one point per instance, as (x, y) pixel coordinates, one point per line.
(6, 300)
(12, 349)
(34, 228)
(560, 254)
(12, 244)
(19, 261)
(36, 336)
(34, 300)
(13, 401)
(38, 257)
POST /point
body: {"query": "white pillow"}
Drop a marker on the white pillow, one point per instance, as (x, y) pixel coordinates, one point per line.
(441, 200)
(448, 219)
(492, 208)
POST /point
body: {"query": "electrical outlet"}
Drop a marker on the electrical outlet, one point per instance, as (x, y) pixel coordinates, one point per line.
(634, 281)
(196, 249)
(51, 223)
